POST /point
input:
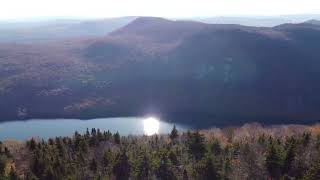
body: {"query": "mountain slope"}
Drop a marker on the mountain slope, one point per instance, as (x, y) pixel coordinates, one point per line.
(179, 69)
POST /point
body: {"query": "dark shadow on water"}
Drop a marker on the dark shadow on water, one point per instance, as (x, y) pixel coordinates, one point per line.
(205, 121)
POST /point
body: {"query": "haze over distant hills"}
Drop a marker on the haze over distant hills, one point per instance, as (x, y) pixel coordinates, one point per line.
(35, 30)
(174, 68)
(260, 21)
(28, 31)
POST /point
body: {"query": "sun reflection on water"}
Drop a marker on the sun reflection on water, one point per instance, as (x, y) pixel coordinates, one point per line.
(151, 126)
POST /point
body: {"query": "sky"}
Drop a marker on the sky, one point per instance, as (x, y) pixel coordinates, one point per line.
(16, 9)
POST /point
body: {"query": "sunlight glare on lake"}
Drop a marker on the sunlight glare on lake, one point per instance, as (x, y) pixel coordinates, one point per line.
(151, 126)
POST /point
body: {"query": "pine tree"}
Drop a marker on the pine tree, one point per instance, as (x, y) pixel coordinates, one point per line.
(205, 169)
(174, 133)
(226, 168)
(122, 167)
(87, 135)
(273, 161)
(116, 137)
(306, 136)
(107, 158)
(144, 169)
(99, 136)
(215, 147)
(37, 165)
(289, 158)
(164, 171)
(32, 144)
(196, 145)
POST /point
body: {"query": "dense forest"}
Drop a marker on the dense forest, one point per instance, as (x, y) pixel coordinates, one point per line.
(247, 152)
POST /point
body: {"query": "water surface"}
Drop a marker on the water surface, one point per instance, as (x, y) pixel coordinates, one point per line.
(45, 128)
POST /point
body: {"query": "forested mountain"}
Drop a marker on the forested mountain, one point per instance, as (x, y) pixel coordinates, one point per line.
(228, 73)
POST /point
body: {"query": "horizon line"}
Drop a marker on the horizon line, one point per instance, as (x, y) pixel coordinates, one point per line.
(50, 18)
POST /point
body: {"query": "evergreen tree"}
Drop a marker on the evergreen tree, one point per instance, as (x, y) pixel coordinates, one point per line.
(50, 141)
(164, 171)
(205, 169)
(289, 158)
(37, 165)
(215, 147)
(93, 139)
(116, 137)
(93, 132)
(144, 169)
(122, 167)
(107, 158)
(99, 136)
(107, 135)
(196, 145)
(273, 161)
(87, 133)
(174, 133)
(306, 138)
(83, 145)
(226, 168)
(32, 144)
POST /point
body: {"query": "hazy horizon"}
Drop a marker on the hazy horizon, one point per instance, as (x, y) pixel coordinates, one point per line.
(36, 19)
(44, 9)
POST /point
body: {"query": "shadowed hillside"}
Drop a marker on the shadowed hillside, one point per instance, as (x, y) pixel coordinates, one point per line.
(183, 69)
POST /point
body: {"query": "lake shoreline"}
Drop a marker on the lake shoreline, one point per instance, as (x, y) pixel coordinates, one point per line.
(197, 120)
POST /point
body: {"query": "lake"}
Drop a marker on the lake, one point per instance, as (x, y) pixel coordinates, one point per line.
(45, 128)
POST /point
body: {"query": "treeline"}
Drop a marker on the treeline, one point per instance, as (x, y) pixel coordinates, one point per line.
(180, 155)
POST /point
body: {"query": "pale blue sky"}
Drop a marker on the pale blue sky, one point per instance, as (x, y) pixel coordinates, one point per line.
(13, 9)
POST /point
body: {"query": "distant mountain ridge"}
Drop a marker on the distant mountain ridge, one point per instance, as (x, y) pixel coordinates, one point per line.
(313, 21)
(258, 21)
(184, 69)
(57, 30)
